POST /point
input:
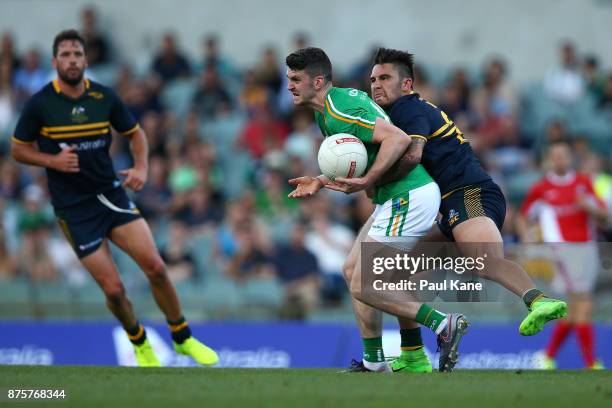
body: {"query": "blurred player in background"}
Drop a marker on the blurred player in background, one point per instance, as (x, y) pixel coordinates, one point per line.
(70, 122)
(565, 205)
(405, 208)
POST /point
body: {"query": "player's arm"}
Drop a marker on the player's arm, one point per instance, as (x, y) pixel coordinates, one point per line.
(528, 212)
(123, 122)
(24, 150)
(393, 143)
(406, 163)
(592, 205)
(136, 177)
(307, 186)
(66, 161)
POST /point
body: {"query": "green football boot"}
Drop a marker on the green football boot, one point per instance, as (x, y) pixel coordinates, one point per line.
(145, 355)
(199, 352)
(412, 361)
(542, 311)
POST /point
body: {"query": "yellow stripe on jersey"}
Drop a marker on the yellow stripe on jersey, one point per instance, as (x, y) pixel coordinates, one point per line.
(450, 132)
(23, 142)
(395, 225)
(132, 130)
(69, 128)
(439, 131)
(78, 134)
(344, 119)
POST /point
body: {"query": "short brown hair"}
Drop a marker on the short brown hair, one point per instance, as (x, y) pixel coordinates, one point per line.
(68, 35)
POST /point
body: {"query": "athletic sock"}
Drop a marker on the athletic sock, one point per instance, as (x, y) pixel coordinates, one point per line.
(137, 334)
(180, 330)
(430, 317)
(531, 296)
(411, 341)
(373, 354)
(560, 332)
(584, 332)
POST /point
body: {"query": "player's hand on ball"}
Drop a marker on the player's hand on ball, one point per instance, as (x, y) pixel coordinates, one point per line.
(349, 185)
(135, 178)
(305, 186)
(67, 160)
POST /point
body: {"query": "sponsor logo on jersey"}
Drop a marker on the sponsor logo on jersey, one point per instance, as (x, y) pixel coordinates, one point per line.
(96, 95)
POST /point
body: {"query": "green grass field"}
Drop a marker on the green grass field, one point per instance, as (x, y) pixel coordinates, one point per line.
(178, 387)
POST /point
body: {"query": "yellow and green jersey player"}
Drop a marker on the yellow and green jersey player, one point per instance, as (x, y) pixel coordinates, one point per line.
(405, 208)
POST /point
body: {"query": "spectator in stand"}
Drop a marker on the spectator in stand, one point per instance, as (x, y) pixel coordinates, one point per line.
(244, 244)
(7, 262)
(210, 94)
(297, 268)
(331, 243)
(605, 102)
(8, 53)
(425, 89)
(30, 77)
(170, 63)
(455, 99)
(35, 225)
(496, 105)
(11, 183)
(263, 133)
(564, 83)
(200, 212)
(141, 97)
(268, 71)
(154, 200)
(176, 255)
(593, 78)
(254, 95)
(213, 57)
(98, 45)
(7, 99)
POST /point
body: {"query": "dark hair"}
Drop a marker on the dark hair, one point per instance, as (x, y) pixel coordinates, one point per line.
(68, 35)
(312, 60)
(403, 61)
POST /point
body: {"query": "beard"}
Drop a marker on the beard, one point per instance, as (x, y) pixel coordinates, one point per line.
(71, 80)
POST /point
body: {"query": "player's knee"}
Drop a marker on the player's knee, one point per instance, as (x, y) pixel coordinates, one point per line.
(155, 268)
(355, 288)
(114, 292)
(347, 271)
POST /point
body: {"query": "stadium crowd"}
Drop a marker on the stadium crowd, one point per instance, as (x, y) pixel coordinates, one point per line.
(225, 139)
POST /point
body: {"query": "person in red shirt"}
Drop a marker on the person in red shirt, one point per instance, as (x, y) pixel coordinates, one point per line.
(566, 207)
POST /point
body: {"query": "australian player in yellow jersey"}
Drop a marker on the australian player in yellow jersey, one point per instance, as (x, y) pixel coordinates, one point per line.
(405, 208)
(66, 128)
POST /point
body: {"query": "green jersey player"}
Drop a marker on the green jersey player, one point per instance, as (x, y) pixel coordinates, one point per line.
(405, 208)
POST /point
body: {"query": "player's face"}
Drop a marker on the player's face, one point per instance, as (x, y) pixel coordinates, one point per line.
(560, 158)
(301, 86)
(70, 62)
(385, 84)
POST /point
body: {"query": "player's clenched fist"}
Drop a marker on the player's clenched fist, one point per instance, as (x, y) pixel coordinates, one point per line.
(67, 160)
(135, 178)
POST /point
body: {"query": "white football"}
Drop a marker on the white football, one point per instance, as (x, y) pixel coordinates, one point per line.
(342, 155)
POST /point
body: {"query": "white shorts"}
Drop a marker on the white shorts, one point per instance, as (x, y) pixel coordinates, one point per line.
(577, 267)
(410, 215)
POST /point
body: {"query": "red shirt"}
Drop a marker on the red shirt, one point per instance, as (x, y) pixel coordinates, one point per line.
(553, 200)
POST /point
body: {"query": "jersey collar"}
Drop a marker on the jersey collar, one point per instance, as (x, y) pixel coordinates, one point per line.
(58, 90)
(561, 180)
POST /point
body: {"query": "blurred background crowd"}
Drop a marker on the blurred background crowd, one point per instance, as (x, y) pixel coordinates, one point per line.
(224, 139)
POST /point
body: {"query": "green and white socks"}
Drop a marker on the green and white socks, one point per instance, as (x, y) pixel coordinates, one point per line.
(430, 317)
(373, 355)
